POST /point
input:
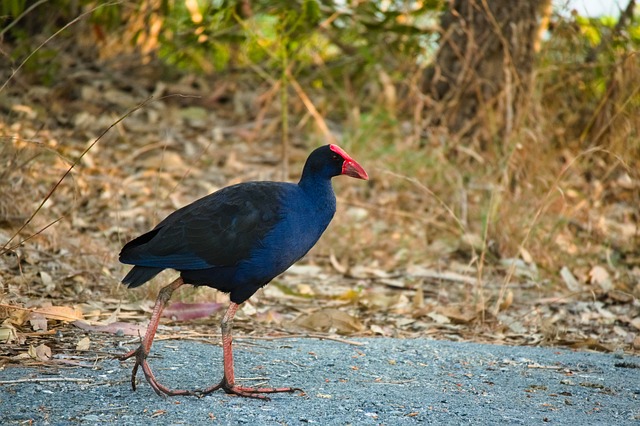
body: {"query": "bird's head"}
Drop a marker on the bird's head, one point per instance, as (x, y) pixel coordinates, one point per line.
(331, 160)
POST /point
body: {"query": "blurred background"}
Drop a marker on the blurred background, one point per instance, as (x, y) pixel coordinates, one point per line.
(501, 139)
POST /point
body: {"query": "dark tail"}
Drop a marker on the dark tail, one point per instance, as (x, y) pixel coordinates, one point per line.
(139, 275)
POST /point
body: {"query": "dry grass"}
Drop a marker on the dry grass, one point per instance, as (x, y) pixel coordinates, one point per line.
(563, 193)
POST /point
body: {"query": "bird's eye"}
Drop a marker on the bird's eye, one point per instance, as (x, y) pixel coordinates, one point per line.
(335, 156)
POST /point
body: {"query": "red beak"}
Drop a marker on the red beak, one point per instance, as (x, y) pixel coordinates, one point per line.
(350, 167)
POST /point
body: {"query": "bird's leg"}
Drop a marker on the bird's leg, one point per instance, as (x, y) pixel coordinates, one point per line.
(228, 380)
(143, 350)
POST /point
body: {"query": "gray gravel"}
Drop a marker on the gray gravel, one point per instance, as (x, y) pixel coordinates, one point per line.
(384, 381)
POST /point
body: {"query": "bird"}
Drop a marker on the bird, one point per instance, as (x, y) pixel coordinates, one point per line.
(235, 240)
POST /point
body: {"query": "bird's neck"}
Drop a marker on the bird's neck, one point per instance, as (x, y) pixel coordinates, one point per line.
(317, 188)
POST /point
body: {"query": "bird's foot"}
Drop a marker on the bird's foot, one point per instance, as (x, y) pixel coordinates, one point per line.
(246, 392)
(141, 361)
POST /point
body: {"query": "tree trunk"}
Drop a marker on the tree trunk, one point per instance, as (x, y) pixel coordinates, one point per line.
(479, 85)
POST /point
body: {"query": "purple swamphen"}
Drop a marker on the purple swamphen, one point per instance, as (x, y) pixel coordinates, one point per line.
(236, 240)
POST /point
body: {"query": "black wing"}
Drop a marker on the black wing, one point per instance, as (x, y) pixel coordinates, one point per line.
(220, 229)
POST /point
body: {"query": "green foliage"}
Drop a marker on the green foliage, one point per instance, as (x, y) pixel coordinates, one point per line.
(12, 8)
(348, 41)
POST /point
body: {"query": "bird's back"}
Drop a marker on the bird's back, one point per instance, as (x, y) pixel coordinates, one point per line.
(236, 239)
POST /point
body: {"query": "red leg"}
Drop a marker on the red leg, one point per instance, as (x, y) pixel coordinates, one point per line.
(228, 380)
(143, 350)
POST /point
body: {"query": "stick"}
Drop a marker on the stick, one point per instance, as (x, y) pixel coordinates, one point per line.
(43, 379)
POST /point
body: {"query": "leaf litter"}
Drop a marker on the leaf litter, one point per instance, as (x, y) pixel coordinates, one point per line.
(60, 287)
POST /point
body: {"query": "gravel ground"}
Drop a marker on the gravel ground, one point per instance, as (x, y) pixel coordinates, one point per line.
(383, 381)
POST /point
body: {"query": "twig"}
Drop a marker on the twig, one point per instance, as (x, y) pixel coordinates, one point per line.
(390, 382)
(545, 367)
(307, 336)
(44, 379)
(447, 276)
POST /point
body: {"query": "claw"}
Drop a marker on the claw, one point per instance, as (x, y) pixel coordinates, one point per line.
(141, 361)
(246, 392)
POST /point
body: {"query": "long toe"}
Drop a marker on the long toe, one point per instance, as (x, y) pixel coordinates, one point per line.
(141, 361)
(257, 393)
(127, 355)
(246, 392)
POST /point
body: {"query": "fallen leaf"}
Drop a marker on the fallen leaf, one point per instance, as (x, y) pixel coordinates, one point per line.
(526, 256)
(507, 301)
(47, 281)
(83, 344)
(418, 299)
(16, 314)
(336, 263)
(179, 311)
(113, 317)
(41, 353)
(61, 313)
(330, 320)
(38, 321)
(589, 343)
(457, 315)
(438, 318)
(620, 296)
(600, 277)
(123, 328)
(376, 329)
(568, 278)
(7, 332)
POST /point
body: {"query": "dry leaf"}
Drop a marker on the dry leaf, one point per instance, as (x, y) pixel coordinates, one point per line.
(457, 315)
(507, 301)
(418, 299)
(526, 256)
(18, 315)
(330, 320)
(438, 318)
(61, 313)
(471, 242)
(568, 278)
(305, 289)
(38, 321)
(350, 295)
(589, 343)
(620, 296)
(179, 311)
(47, 281)
(113, 317)
(123, 328)
(600, 277)
(41, 353)
(376, 329)
(336, 264)
(83, 344)
(7, 332)
(521, 268)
